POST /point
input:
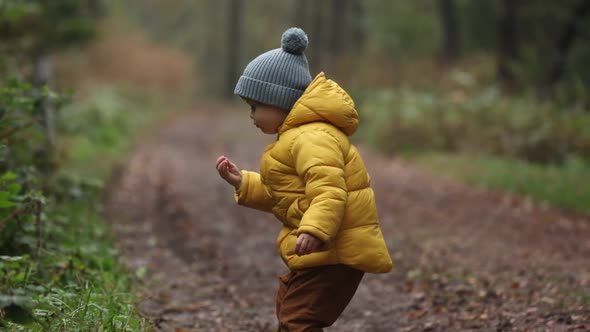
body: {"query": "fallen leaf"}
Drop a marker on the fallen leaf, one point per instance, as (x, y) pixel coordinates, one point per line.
(428, 326)
(415, 314)
(418, 296)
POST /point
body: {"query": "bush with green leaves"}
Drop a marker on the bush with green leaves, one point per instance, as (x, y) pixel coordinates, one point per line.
(22, 203)
(47, 24)
(484, 122)
(22, 142)
(58, 268)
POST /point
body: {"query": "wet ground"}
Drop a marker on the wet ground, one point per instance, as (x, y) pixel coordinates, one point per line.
(465, 259)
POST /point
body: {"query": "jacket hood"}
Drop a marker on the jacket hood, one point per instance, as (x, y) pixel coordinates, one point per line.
(323, 101)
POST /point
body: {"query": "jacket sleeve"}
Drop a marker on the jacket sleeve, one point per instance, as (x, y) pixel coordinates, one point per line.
(252, 193)
(319, 162)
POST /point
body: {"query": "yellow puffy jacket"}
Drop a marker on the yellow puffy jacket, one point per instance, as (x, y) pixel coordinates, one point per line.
(314, 181)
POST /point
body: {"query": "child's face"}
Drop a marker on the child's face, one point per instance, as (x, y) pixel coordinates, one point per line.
(266, 117)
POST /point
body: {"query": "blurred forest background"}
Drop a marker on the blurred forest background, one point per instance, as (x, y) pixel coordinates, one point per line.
(494, 92)
(446, 69)
(523, 45)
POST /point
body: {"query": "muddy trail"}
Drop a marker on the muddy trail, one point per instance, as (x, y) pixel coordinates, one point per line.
(465, 259)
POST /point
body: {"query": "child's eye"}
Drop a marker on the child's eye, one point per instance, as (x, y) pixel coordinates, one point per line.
(252, 108)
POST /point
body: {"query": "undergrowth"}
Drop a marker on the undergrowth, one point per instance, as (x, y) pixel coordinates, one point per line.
(517, 143)
(58, 268)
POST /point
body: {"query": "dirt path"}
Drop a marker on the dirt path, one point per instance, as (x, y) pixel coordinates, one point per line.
(465, 259)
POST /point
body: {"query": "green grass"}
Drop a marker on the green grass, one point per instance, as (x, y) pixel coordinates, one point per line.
(564, 186)
(75, 281)
(532, 147)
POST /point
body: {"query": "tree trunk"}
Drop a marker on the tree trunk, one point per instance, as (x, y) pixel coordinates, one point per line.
(97, 8)
(450, 45)
(233, 44)
(339, 27)
(507, 42)
(316, 40)
(43, 76)
(301, 14)
(211, 62)
(358, 33)
(566, 41)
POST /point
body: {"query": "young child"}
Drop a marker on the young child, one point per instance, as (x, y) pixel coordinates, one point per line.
(314, 181)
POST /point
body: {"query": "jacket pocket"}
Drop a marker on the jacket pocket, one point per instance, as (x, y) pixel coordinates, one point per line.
(287, 246)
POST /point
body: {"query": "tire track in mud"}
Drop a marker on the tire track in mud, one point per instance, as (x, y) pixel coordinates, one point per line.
(465, 259)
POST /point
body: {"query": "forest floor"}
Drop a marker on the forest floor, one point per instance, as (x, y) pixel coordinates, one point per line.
(465, 259)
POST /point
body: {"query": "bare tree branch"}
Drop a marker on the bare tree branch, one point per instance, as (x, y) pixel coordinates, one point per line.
(12, 131)
(14, 214)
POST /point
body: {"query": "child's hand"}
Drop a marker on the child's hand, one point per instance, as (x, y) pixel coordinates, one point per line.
(229, 172)
(307, 244)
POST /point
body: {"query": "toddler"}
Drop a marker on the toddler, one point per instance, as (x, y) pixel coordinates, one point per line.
(314, 181)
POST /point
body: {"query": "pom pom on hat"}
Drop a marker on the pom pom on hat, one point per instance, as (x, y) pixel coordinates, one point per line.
(280, 76)
(294, 41)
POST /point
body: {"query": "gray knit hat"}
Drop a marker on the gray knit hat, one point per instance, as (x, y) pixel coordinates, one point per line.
(280, 76)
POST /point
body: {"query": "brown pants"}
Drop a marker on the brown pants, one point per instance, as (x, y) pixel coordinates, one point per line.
(311, 299)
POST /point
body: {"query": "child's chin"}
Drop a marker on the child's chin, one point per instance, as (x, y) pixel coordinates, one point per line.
(264, 131)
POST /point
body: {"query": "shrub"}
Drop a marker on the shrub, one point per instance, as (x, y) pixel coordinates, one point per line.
(485, 122)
